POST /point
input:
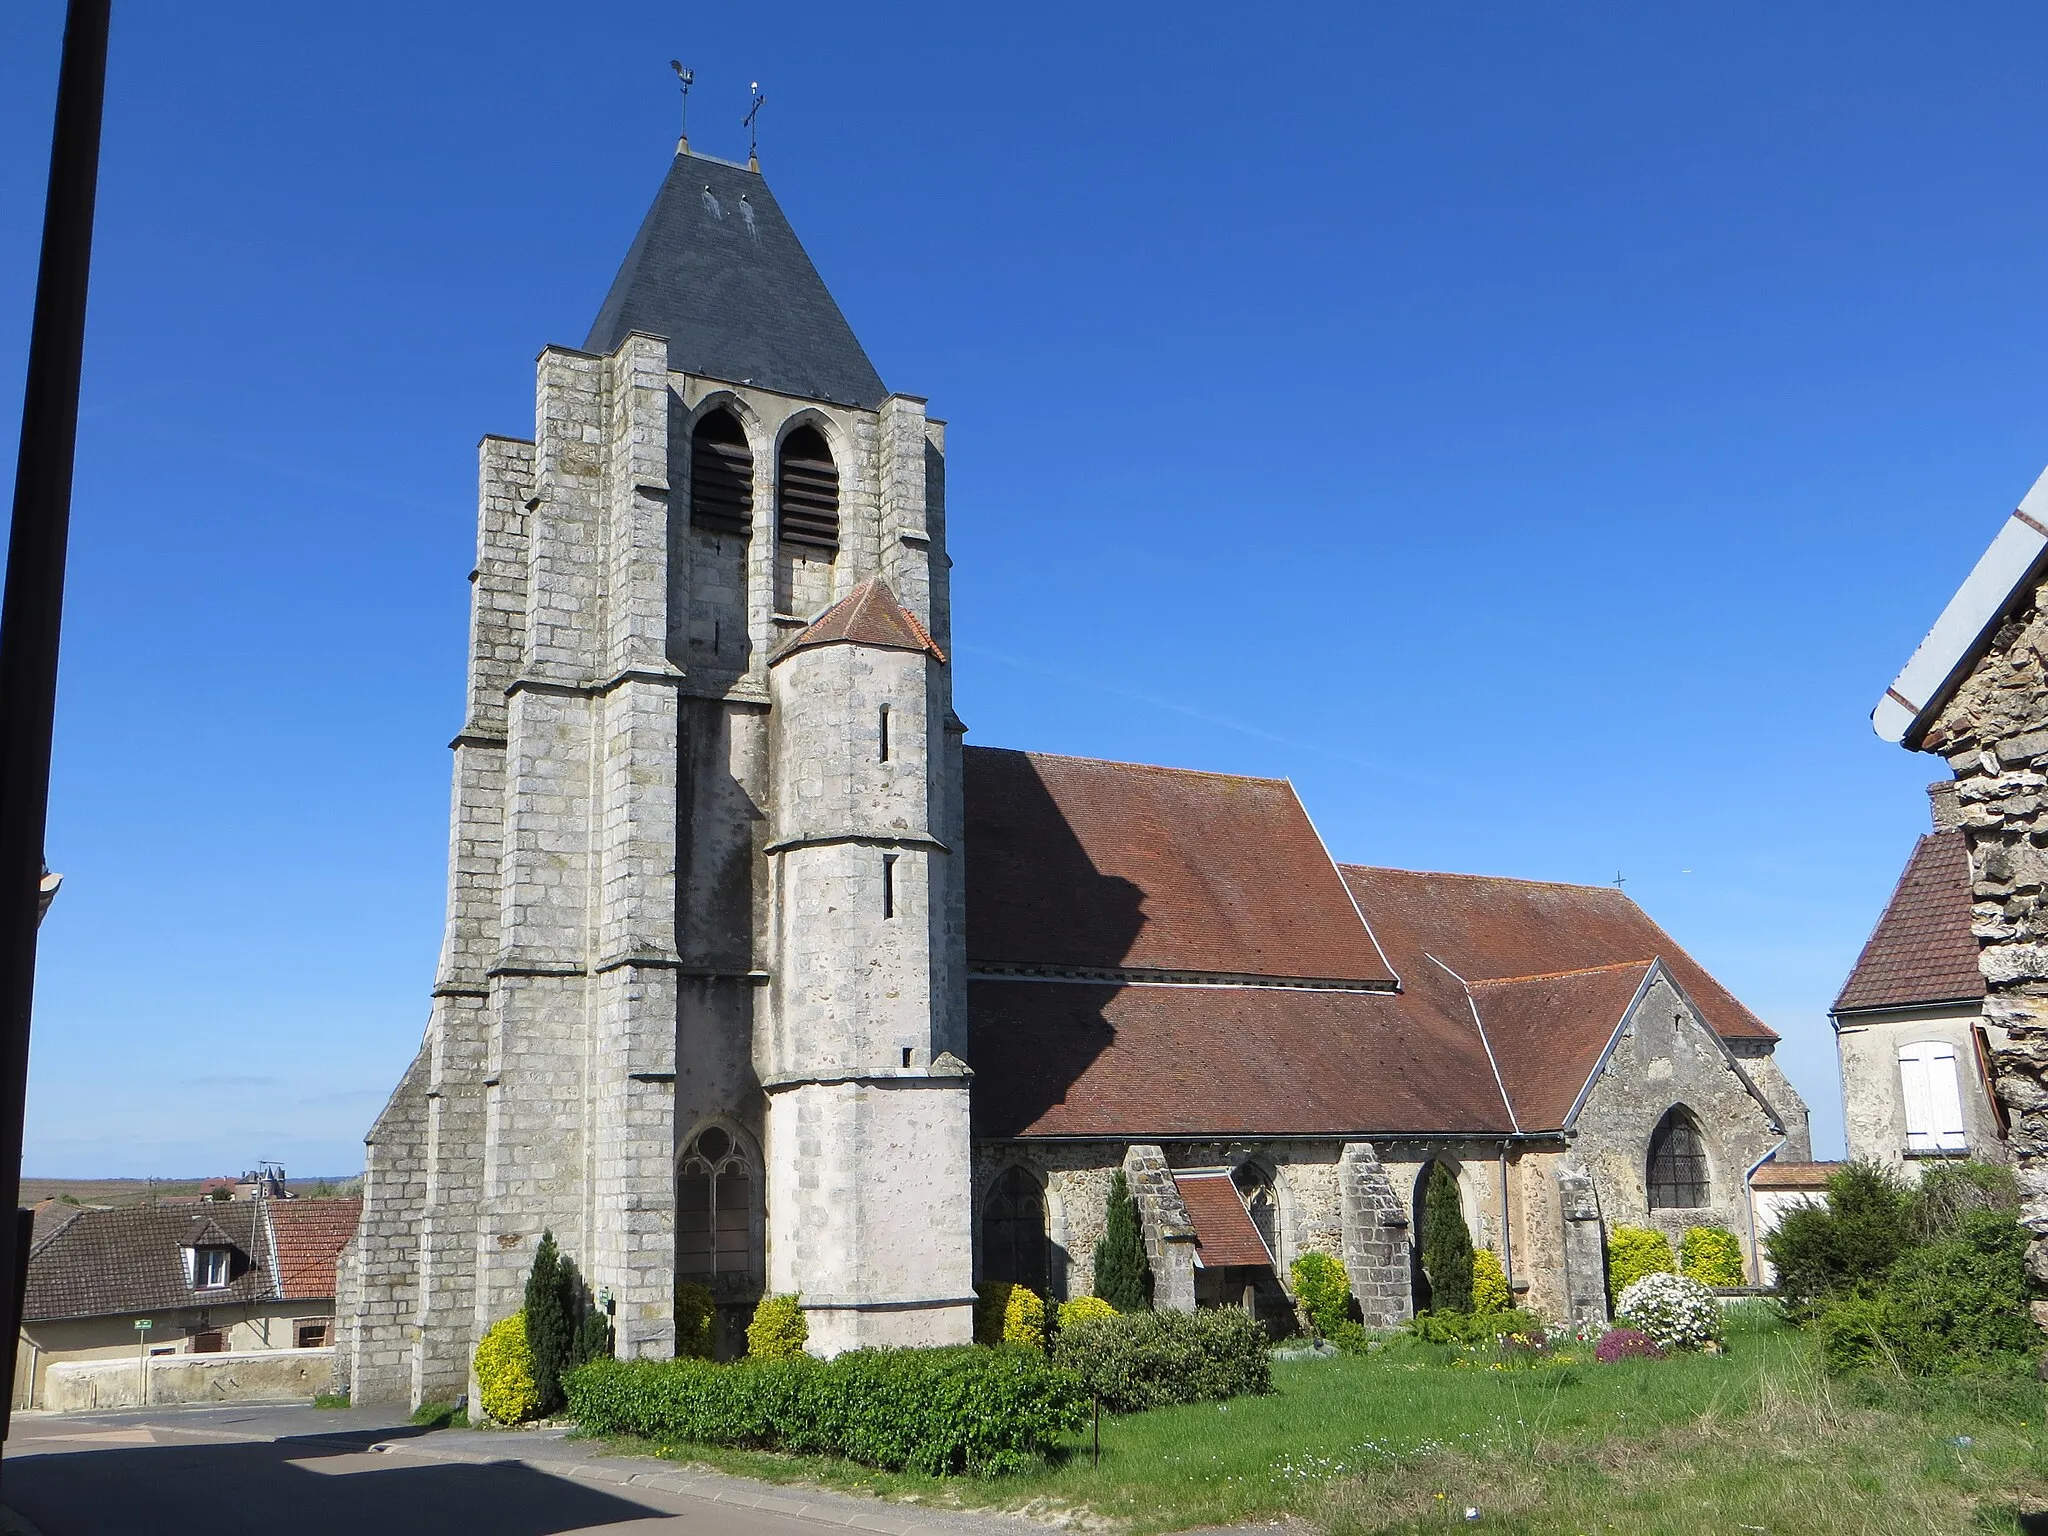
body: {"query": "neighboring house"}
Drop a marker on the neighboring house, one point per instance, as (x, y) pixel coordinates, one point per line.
(1915, 1048)
(756, 976)
(211, 1278)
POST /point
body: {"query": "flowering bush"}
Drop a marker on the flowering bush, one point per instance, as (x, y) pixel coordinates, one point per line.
(504, 1372)
(778, 1331)
(1712, 1256)
(1673, 1311)
(1626, 1344)
(1633, 1252)
(1489, 1282)
(1579, 1331)
(1008, 1313)
(1084, 1309)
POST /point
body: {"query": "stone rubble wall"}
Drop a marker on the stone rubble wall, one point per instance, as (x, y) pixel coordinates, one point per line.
(1168, 1230)
(1374, 1239)
(1994, 735)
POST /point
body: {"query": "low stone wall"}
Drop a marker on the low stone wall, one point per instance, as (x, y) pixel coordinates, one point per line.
(270, 1375)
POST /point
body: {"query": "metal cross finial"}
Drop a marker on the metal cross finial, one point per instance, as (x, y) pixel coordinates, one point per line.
(1620, 879)
(688, 77)
(753, 134)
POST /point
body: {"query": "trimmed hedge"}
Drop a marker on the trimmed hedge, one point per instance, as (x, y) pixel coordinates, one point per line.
(1712, 1256)
(1322, 1288)
(1008, 1313)
(1084, 1309)
(1633, 1252)
(937, 1411)
(696, 1321)
(504, 1372)
(1151, 1359)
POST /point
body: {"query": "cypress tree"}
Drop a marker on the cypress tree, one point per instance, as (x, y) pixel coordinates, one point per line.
(550, 1324)
(1120, 1272)
(1446, 1243)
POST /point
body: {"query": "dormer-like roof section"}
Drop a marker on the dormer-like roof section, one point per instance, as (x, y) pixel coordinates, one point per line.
(1921, 953)
(1102, 867)
(868, 615)
(717, 270)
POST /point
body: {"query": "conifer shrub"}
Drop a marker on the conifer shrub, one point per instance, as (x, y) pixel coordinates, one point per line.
(1008, 1313)
(1951, 1306)
(1083, 1309)
(1446, 1243)
(1143, 1360)
(504, 1372)
(550, 1329)
(1633, 1252)
(778, 1330)
(1489, 1283)
(696, 1321)
(1122, 1277)
(1323, 1290)
(936, 1411)
(1848, 1244)
(1712, 1256)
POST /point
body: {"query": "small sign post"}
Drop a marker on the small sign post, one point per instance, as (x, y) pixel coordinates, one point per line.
(142, 1327)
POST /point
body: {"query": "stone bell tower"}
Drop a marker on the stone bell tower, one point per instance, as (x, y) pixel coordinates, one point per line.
(701, 999)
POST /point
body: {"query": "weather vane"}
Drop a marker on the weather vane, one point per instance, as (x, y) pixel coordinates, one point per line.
(689, 78)
(753, 134)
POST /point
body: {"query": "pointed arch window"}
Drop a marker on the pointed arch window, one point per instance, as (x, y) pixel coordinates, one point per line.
(1014, 1246)
(1256, 1189)
(807, 491)
(721, 475)
(1678, 1163)
(715, 1212)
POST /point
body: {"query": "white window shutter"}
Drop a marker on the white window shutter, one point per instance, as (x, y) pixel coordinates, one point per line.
(1944, 1092)
(1920, 1135)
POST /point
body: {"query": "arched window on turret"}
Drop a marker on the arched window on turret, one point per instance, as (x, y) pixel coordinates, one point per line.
(1678, 1163)
(721, 475)
(1014, 1246)
(715, 1227)
(806, 521)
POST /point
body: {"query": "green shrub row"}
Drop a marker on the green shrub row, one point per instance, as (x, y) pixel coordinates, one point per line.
(1139, 1360)
(937, 1411)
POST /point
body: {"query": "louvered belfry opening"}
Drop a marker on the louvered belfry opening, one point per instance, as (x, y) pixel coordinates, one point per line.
(807, 491)
(721, 475)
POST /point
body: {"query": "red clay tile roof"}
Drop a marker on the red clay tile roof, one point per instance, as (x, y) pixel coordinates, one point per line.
(1117, 866)
(1549, 1032)
(1775, 1175)
(868, 615)
(1126, 1062)
(1224, 1233)
(1487, 928)
(1921, 950)
(310, 1235)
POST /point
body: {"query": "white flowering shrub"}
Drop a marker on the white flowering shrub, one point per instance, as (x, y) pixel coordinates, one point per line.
(1676, 1312)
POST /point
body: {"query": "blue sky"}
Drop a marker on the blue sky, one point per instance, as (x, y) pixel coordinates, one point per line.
(1539, 432)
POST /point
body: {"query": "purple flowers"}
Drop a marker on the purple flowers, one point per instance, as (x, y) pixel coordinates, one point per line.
(1626, 1344)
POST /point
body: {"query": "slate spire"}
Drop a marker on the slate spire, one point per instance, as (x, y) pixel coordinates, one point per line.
(718, 271)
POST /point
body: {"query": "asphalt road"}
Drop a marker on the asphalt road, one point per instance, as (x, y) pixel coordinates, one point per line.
(289, 1471)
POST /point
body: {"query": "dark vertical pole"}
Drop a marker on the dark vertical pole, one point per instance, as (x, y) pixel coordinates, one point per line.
(32, 609)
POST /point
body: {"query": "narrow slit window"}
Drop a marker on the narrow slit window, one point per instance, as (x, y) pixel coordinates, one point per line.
(883, 733)
(721, 475)
(807, 492)
(888, 885)
(906, 1056)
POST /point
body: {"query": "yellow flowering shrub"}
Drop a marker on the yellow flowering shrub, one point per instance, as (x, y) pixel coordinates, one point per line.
(778, 1330)
(1489, 1282)
(504, 1372)
(1084, 1309)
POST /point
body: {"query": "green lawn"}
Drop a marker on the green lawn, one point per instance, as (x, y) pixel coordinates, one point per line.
(1407, 1440)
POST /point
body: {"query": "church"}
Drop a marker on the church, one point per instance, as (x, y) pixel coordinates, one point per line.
(757, 976)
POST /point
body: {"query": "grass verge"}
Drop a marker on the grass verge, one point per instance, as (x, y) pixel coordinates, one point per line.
(1409, 1438)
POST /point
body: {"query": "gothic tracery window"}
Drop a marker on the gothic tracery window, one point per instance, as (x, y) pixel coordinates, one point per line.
(715, 1212)
(1014, 1246)
(1678, 1163)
